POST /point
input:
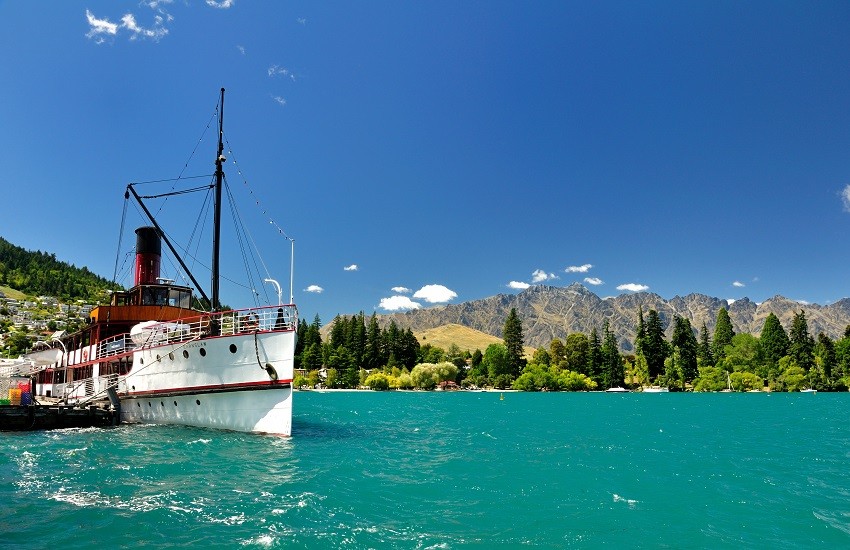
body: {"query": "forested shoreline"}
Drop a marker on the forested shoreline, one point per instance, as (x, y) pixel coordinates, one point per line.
(358, 354)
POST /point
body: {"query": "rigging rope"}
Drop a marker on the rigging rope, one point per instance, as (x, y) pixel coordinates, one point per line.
(256, 200)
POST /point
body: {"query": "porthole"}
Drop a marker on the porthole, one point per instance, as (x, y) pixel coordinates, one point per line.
(141, 360)
(198, 401)
(158, 358)
(232, 348)
(139, 405)
(149, 403)
(186, 353)
(175, 403)
(203, 352)
(171, 356)
(162, 403)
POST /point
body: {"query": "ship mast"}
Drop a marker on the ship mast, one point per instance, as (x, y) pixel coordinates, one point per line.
(215, 304)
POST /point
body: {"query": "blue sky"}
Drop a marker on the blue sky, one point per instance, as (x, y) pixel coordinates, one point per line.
(422, 153)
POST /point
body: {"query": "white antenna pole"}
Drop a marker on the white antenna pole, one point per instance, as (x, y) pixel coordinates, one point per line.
(291, 271)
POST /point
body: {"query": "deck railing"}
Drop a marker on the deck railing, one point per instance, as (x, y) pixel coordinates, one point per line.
(227, 323)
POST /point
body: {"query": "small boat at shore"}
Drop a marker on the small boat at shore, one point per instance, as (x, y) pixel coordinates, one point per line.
(617, 389)
(167, 357)
(655, 389)
(808, 390)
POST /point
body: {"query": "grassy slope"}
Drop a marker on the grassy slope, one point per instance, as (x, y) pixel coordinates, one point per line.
(12, 293)
(466, 338)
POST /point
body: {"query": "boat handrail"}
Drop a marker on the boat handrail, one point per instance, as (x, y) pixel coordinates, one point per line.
(229, 323)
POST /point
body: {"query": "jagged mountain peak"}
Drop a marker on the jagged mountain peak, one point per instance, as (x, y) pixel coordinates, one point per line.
(549, 312)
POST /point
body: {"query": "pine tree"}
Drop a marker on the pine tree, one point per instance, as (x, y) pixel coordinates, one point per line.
(512, 335)
(595, 358)
(640, 337)
(774, 340)
(802, 346)
(723, 334)
(825, 356)
(655, 347)
(613, 372)
(686, 342)
(704, 355)
(372, 353)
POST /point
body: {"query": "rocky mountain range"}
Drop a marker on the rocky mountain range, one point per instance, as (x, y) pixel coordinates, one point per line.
(549, 312)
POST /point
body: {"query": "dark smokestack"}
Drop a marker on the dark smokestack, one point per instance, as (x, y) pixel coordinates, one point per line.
(148, 254)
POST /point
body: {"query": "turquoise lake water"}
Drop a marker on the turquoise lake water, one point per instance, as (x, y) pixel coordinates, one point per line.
(449, 470)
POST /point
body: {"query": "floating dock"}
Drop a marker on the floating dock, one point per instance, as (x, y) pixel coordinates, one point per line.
(23, 411)
(53, 416)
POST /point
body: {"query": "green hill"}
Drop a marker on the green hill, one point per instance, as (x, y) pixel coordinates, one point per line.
(464, 337)
(41, 274)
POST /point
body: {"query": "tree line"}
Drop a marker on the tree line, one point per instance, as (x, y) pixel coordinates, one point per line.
(361, 354)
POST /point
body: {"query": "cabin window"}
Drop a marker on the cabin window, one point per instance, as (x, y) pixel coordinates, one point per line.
(154, 296)
(179, 298)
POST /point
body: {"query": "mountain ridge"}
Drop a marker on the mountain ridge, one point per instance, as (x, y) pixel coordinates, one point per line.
(549, 312)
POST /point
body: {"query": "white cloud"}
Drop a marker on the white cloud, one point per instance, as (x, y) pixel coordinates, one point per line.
(276, 70)
(578, 268)
(221, 4)
(435, 294)
(538, 276)
(302, 20)
(738, 284)
(518, 285)
(128, 21)
(633, 287)
(730, 301)
(100, 27)
(280, 100)
(595, 281)
(352, 267)
(398, 303)
(401, 290)
(805, 303)
(845, 198)
(314, 288)
(241, 49)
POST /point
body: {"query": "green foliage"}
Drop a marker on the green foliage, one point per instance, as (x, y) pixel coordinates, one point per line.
(640, 336)
(18, 343)
(711, 379)
(38, 273)
(496, 361)
(512, 335)
(793, 378)
(743, 354)
(723, 334)
(686, 342)
(576, 353)
(704, 355)
(802, 345)
(541, 357)
(774, 340)
(613, 371)
(640, 371)
(654, 347)
(746, 381)
(377, 381)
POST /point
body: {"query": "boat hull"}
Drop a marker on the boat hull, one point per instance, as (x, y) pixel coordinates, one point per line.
(241, 382)
(260, 410)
